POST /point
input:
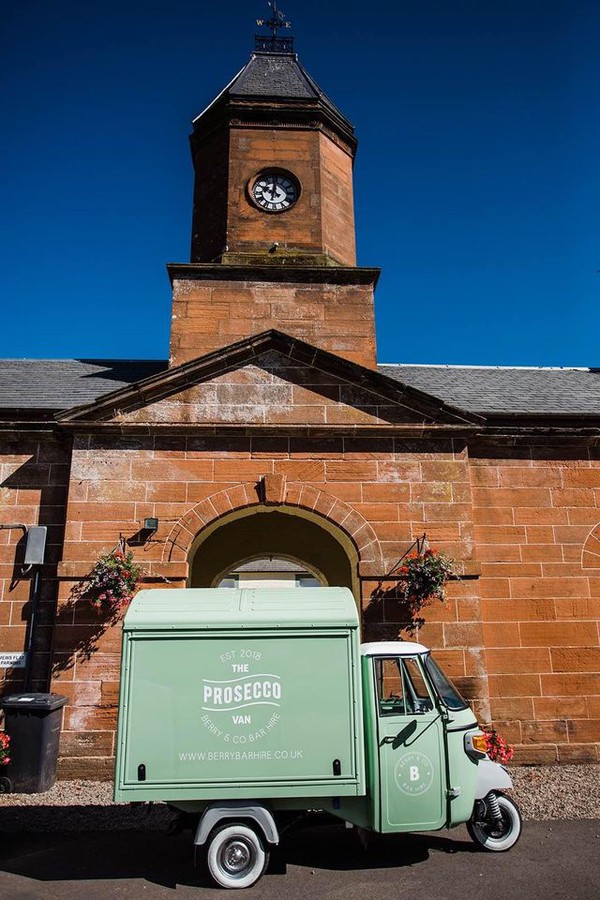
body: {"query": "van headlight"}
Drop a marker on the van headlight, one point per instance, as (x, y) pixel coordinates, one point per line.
(476, 745)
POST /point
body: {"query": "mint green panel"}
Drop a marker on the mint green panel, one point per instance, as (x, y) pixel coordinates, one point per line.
(269, 710)
(210, 608)
(371, 741)
(412, 777)
(411, 759)
(463, 769)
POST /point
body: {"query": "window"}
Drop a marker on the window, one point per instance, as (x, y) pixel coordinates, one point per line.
(401, 688)
(269, 572)
(230, 582)
(417, 695)
(307, 581)
(444, 687)
(390, 694)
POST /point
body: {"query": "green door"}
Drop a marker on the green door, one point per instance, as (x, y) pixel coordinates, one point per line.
(411, 748)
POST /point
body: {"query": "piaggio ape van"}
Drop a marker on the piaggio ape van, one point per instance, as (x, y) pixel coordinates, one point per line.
(238, 705)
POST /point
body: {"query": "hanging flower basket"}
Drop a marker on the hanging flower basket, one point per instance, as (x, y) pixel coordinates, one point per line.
(113, 581)
(498, 749)
(424, 577)
(4, 749)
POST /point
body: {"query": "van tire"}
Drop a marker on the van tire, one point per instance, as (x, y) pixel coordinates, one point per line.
(490, 835)
(236, 856)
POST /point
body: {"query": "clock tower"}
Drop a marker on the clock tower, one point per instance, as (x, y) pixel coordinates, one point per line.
(273, 237)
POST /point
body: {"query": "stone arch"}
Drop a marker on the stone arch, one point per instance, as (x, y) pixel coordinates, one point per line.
(590, 553)
(278, 530)
(179, 543)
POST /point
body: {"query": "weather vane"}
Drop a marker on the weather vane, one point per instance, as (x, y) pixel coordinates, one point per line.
(274, 43)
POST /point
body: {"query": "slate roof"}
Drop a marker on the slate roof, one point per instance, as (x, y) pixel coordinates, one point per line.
(496, 390)
(56, 384)
(271, 565)
(276, 76)
(60, 384)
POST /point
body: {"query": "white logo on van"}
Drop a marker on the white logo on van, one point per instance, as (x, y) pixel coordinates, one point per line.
(238, 710)
(414, 773)
(239, 693)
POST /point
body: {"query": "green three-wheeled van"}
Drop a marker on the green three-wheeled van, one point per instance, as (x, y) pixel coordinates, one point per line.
(237, 706)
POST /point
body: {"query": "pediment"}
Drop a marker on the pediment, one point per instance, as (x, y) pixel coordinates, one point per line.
(269, 380)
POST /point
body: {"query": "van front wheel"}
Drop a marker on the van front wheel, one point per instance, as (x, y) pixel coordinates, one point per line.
(495, 832)
(235, 856)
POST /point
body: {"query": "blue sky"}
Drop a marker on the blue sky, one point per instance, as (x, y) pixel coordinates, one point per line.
(476, 180)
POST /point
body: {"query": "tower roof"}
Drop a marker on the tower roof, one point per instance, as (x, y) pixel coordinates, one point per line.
(276, 77)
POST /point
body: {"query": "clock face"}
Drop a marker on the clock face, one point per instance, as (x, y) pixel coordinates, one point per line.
(274, 191)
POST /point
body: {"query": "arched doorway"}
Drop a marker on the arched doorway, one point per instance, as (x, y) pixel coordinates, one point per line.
(307, 539)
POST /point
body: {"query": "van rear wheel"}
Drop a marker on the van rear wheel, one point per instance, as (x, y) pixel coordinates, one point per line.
(493, 833)
(236, 856)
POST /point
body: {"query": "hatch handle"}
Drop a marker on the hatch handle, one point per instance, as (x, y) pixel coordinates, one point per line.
(402, 735)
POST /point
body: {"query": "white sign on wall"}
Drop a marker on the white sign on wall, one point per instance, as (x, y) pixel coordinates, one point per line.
(13, 660)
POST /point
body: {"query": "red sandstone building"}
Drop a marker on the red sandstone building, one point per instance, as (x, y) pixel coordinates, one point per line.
(271, 445)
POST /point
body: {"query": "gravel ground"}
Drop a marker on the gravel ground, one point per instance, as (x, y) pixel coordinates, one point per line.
(544, 792)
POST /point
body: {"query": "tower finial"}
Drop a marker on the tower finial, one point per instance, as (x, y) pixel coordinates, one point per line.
(273, 43)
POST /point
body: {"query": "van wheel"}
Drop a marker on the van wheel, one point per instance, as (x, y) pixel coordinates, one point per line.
(235, 856)
(491, 833)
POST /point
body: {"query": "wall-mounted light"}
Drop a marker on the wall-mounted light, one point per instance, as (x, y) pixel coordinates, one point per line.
(36, 545)
(150, 525)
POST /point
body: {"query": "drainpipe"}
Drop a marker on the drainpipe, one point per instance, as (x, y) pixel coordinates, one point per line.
(34, 556)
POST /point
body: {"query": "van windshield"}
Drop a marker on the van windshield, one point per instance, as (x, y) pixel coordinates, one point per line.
(448, 693)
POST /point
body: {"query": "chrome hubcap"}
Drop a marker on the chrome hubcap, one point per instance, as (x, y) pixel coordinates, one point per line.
(236, 856)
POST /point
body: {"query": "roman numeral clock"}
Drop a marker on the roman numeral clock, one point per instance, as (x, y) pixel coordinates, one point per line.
(274, 190)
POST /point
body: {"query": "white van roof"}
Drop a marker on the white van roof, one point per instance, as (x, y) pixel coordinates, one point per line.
(392, 648)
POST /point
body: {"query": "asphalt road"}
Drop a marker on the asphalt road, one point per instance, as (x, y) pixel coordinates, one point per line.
(552, 860)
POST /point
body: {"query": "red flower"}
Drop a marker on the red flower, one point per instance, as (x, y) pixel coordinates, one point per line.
(4, 744)
(498, 749)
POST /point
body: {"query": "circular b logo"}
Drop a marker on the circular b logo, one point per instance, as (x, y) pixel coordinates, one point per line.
(414, 774)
